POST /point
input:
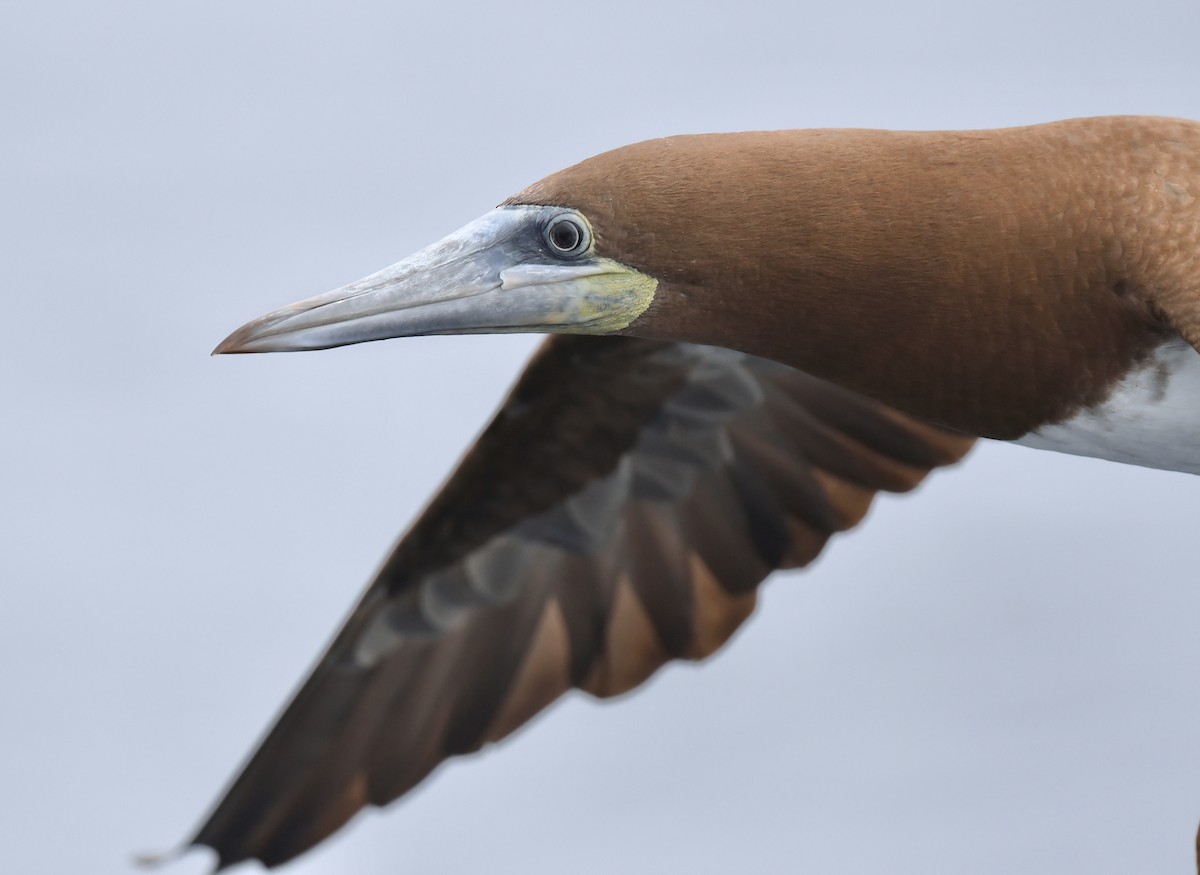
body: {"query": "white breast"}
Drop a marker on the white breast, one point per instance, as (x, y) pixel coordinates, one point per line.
(1152, 417)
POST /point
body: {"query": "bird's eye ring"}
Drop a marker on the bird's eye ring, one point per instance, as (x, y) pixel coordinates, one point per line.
(567, 236)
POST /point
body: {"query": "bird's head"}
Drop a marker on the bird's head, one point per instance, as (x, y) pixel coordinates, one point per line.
(561, 257)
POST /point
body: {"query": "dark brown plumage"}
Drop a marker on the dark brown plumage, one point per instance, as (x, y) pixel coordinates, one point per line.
(602, 525)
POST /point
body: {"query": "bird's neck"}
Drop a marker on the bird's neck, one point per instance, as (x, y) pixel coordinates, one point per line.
(978, 352)
(991, 283)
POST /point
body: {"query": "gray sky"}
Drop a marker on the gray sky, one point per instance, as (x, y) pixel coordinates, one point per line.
(996, 675)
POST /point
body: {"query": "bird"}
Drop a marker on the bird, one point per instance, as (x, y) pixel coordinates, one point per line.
(750, 335)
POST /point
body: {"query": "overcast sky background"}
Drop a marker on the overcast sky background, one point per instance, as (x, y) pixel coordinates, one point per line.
(995, 675)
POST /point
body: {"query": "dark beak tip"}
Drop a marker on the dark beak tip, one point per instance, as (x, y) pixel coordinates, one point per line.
(239, 341)
(227, 346)
(251, 336)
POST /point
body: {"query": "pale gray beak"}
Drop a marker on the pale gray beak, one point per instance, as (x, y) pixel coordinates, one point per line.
(498, 274)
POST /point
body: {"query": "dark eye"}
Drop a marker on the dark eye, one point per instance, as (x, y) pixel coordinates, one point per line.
(567, 235)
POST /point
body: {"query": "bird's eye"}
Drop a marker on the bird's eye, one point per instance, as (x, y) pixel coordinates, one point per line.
(567, 236)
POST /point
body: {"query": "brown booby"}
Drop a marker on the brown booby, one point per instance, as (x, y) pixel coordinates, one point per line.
(785, 323)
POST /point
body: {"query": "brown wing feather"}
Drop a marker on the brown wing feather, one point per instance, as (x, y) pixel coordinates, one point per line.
(618, 512)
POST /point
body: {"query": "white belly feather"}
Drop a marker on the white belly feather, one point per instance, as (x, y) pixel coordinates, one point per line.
(1152, 417)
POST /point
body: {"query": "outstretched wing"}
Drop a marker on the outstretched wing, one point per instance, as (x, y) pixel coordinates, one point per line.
(618, 512)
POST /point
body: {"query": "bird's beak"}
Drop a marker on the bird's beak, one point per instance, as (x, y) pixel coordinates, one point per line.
(494, 275)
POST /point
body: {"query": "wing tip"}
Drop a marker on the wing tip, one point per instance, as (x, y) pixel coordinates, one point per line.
(158, 859)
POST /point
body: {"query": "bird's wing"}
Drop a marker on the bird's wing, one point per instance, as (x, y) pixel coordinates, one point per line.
(618, 512)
